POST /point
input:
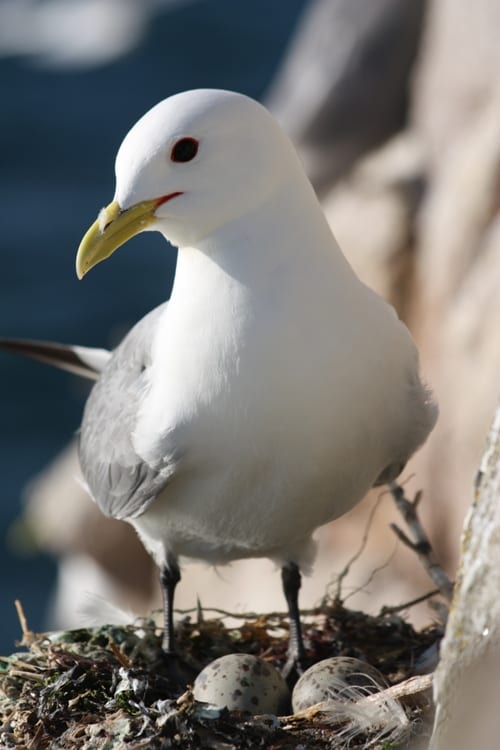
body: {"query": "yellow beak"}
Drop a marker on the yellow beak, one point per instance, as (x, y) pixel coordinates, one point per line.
(112, 229)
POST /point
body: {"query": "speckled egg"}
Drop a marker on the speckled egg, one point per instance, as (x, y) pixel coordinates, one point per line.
(241, 682)
(341, 678)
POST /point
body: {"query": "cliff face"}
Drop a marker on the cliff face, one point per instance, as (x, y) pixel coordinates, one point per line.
(466, 685)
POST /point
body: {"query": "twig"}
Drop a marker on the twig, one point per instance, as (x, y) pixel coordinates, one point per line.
(22, 674)
(19, 663)
(406, 692)
(406, 605)
(28, 635)
(120, 656)
(364, 540)
(267, 617)
(372, 575)
(421, 544)
(225, 613)
(199, 611)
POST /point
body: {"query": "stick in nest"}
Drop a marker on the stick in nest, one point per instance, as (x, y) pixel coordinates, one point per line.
(385, 610)
(381, 715)
(28, 635)
(420, 543)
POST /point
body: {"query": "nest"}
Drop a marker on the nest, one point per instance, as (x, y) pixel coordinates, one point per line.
(112, 687)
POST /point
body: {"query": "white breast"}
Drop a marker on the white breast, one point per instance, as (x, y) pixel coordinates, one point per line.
(284, 412)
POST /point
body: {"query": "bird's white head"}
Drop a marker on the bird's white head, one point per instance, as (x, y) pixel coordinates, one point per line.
(195, 162)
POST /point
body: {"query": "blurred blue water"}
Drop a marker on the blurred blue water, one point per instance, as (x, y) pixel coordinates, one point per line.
(59, 132)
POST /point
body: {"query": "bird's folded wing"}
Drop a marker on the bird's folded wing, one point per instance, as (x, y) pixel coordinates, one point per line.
(120, 481)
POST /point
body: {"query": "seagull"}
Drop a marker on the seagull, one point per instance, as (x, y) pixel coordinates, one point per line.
(273, 389)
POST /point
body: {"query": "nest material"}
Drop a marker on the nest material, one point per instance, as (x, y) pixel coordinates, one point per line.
(111, 687)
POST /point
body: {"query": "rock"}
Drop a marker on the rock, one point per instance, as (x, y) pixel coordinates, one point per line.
(466, 683)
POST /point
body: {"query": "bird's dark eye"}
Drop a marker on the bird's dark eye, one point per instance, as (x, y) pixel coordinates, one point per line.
(184, 150)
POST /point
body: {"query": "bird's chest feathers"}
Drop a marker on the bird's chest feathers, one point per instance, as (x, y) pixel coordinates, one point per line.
(240, 369)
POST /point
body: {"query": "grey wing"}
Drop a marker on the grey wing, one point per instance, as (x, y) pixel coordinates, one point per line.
(121, 483)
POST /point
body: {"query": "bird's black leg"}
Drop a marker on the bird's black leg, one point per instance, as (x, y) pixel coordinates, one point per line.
(170, 577)
(291, 579)
(178, 670)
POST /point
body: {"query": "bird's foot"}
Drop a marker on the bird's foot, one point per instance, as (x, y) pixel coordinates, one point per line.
(179, 671)
(295, 665)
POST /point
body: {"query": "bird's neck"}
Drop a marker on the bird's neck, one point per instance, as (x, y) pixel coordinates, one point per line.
(288, 231)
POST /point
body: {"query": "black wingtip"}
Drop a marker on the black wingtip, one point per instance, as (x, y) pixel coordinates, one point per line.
(62, 356)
